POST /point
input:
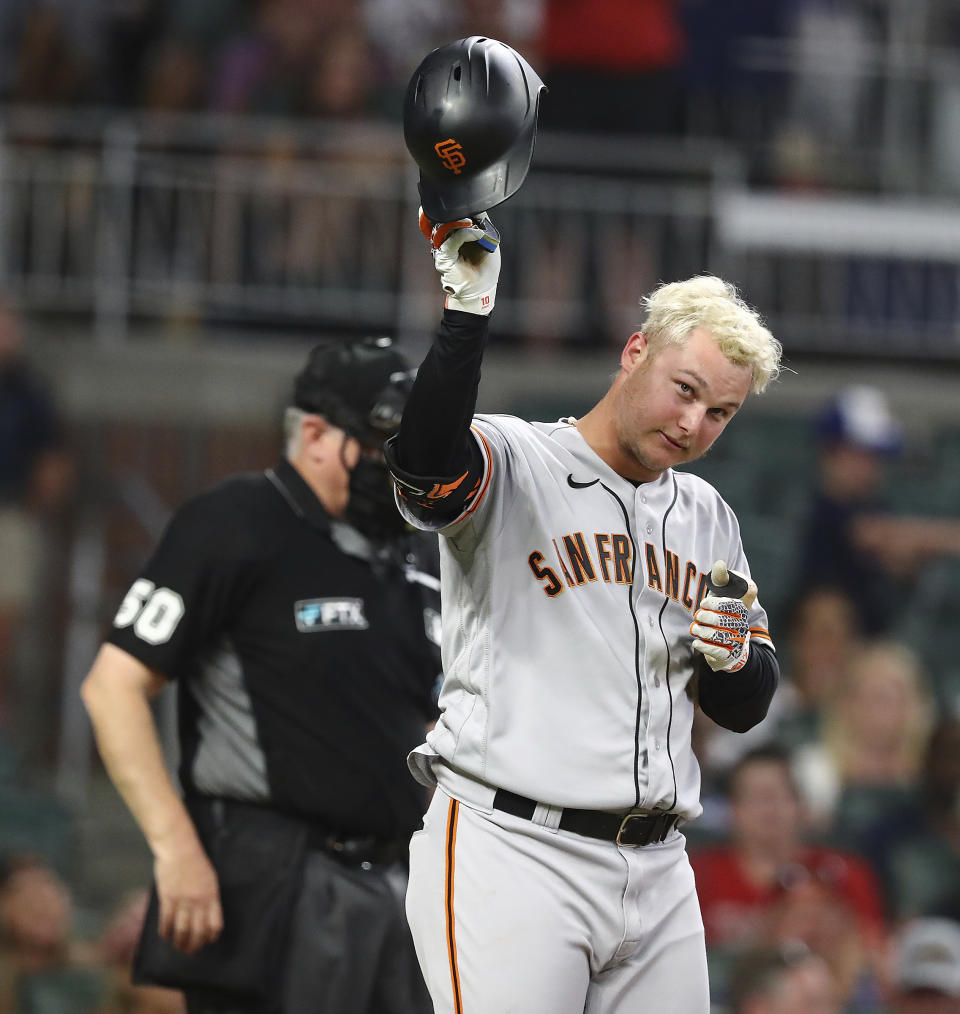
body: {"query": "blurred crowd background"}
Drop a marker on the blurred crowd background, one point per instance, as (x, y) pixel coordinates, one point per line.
(191, 194)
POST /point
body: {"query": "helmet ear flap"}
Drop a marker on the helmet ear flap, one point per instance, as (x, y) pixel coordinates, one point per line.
(469, 121)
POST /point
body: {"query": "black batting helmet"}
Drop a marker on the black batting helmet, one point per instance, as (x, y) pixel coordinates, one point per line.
(469, 121)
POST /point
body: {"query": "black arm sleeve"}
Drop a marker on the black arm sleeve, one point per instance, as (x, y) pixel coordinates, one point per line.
(435, 462)
(739, 701)
(434, 437)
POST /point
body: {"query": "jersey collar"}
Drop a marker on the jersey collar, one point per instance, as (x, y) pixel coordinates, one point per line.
(571, 438)
(301, 499)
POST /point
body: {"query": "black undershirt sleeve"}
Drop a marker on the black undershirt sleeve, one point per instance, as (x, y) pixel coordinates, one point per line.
(739, 701)
(433, 457)
(434, 433)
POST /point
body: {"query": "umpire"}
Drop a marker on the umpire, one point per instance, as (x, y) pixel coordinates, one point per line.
(300, 618)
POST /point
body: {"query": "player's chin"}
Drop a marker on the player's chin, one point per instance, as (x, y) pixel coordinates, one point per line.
(656, 455)
(689, 454)
(671, 453)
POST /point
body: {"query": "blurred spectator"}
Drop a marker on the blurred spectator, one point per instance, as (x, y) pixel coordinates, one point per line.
(176, 65)
(48, 66)
(402, 32)
(726, 96)
(812, 910)
(612, 66)
(339, 84)
(926, 968)
(789, 979)
(129, 29)
(848, 540)
(34, 482)
(173, 78)
(43, 967)
(875, 732)
(202, 26)
(13, 13)
(256, 69)
(264, 67)
(760, 883)
(831, 99)
(832, 48)
(916, 850)
(307, 236)
(518, 23)
(823, 636)
(858, 435)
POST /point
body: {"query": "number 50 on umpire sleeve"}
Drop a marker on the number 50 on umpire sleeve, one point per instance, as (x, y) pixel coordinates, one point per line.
(154, 612)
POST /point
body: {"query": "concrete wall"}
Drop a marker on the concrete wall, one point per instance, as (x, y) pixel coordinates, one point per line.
(248, 381)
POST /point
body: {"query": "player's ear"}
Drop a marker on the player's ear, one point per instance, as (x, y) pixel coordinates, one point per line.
(635, 351)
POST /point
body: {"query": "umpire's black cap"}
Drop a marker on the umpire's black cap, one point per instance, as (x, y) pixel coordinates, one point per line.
(470, 121)
(360, 386)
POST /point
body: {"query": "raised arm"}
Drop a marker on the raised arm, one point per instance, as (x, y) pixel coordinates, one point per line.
(434, 459)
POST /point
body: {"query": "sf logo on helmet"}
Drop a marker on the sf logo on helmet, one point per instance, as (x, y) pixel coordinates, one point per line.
(451, 155)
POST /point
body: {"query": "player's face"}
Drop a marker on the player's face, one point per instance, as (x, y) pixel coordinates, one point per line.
(674, 402)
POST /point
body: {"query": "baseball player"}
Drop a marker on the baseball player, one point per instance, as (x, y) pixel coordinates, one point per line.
(593, 597)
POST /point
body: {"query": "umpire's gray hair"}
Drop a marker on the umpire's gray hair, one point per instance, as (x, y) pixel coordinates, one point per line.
(677, 308)
(292, 432)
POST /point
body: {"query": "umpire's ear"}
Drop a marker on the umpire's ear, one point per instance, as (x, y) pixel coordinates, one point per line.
(315, 433)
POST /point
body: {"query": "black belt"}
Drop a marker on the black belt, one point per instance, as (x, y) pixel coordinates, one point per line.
(355, 851)
(365, 851)
(624, 829)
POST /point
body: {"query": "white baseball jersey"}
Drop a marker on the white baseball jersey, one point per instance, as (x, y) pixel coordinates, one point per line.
(568, 594)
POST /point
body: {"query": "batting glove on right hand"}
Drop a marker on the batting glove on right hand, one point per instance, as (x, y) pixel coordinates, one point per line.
(721, 627)
(470, 275)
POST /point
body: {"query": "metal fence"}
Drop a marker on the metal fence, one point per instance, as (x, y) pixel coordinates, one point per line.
(220, 225)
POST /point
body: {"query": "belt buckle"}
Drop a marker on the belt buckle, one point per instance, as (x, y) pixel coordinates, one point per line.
(624, 825)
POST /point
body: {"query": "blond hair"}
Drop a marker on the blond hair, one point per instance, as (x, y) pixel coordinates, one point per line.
(675, 309)
(883, 661)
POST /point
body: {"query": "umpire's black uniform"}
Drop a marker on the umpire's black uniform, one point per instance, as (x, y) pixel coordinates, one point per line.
(307, 658)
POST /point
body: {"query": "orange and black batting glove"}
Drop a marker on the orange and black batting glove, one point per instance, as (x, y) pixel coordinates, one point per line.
(721, 627)
(466, 253)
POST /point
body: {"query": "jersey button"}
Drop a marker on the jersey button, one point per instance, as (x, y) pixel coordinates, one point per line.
(649, 529)
(643, 499)
(656, 683)
(657, 744)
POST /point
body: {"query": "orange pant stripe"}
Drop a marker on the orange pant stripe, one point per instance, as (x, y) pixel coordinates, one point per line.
(452, 815)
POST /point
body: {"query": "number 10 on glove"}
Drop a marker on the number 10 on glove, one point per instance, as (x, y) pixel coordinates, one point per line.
(466, 253)
(721, 628)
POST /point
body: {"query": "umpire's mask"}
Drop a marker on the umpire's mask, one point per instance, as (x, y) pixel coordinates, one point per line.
(361, 387)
